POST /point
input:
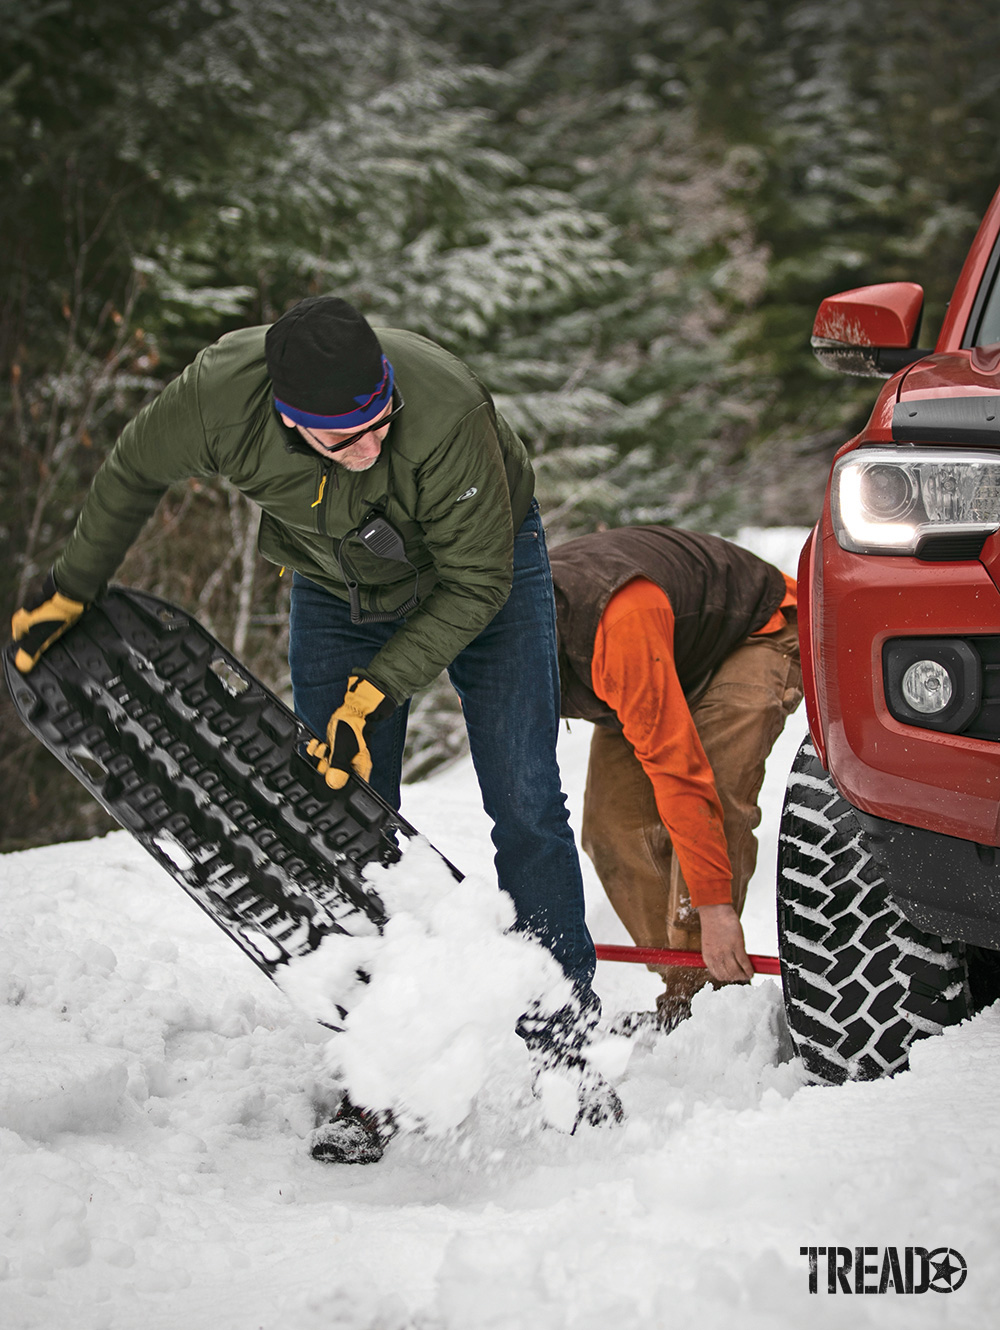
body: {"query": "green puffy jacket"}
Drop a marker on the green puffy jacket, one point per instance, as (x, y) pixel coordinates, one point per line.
(453, 478)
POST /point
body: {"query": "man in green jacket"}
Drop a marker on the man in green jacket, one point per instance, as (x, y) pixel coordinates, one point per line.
(403, 503)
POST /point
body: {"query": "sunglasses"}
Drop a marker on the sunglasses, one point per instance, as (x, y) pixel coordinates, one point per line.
(398, 405)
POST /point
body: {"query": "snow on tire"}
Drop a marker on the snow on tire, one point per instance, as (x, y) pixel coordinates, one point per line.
(860, 981)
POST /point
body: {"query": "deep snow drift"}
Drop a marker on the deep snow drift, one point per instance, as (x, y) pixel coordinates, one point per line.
(157, 1093)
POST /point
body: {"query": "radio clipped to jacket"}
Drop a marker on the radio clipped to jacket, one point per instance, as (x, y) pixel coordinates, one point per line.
(379, 537)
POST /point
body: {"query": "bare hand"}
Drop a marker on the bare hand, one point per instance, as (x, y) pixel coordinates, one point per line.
(722, 945)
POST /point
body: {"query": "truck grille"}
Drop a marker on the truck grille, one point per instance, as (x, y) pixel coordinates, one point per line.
(986, 723)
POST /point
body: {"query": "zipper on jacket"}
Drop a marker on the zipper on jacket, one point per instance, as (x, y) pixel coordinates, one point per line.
(318, 501)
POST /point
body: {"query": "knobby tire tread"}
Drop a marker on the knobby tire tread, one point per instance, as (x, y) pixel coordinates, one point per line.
(861, 982)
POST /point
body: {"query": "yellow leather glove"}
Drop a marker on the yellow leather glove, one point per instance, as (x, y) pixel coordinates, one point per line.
(46, 615)
(345, 749)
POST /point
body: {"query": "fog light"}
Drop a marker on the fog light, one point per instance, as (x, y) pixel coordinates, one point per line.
(927, 687)
(935, 683)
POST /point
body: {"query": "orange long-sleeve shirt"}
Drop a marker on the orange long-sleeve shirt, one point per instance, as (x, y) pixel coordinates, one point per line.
(633, 671)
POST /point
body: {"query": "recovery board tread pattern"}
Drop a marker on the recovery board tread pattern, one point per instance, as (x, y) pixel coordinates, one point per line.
(207, 769)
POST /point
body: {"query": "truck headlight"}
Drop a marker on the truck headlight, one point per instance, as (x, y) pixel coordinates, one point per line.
(891, 500)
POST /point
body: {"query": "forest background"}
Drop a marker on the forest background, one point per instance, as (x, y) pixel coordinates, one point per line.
(622, 216)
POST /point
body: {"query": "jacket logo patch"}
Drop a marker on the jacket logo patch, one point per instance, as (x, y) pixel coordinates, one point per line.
(468, 494)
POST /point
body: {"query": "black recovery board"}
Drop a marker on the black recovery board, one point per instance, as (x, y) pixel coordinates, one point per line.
(207, 769)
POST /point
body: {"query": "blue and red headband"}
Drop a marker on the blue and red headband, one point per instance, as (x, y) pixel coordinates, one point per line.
(367, 409)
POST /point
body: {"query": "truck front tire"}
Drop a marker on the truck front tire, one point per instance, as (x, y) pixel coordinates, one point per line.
(861, 982)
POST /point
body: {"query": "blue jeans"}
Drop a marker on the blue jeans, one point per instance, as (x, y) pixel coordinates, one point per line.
(508, 682)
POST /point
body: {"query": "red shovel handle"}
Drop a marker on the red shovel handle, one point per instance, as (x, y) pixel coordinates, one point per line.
(656, 956)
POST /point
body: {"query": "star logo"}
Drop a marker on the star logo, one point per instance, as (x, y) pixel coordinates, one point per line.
(949, 1269)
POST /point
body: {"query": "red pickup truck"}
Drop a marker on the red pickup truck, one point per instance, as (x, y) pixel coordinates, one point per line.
(889, 854)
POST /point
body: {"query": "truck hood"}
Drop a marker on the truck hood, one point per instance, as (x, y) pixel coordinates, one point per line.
(974, 373)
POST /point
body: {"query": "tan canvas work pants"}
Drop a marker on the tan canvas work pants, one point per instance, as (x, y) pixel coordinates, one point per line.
(738, 718)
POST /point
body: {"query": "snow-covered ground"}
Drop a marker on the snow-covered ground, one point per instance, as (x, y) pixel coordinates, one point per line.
(157, 1093)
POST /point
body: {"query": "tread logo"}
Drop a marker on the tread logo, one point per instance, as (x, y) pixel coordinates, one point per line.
(910, 1270)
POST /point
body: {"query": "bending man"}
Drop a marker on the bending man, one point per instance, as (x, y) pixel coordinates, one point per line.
(683, 649)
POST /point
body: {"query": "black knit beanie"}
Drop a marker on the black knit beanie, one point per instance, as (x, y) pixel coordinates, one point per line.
(326, 365)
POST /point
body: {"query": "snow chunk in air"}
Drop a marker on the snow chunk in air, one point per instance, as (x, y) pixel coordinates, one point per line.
(446, 984)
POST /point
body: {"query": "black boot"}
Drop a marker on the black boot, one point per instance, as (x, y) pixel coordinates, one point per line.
(353, 1136)
(598, 1104)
